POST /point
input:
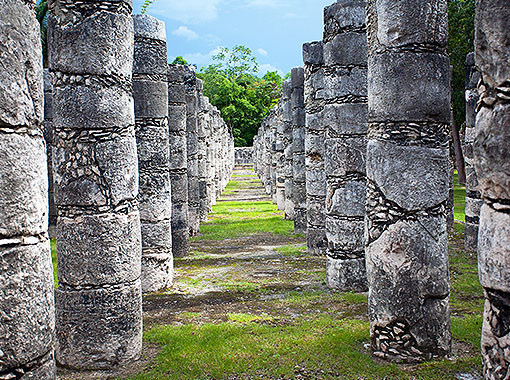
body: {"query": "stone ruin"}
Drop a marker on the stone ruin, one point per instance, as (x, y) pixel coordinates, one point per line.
(379, 183)
(27, 309)
(491, 152)
(138, 156)
(112, 118)
(243, 156)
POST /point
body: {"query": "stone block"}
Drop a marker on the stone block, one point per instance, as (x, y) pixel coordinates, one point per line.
(346, 49)
(343, 83)
(151, 99)
(344, 235)
(21, 87)
(494, 249)
(395, 169)
(347, 275)
(347, 199)
(354, 118)
(492, 150)
(345, 157)
(24, 184)
(26, 301)
(101, 44)
(107, 326)
(409, 86)
(98, 250)
(92, 107)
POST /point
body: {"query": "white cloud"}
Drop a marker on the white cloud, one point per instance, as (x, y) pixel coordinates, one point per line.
(201, 59)
(184, 31)
(266, 68)
(188, 11)
(266, 3)
(262, 52)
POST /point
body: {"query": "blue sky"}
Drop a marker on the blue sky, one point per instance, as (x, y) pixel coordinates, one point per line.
(275, 30)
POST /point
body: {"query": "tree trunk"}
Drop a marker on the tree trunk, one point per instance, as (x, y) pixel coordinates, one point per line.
(459, 156)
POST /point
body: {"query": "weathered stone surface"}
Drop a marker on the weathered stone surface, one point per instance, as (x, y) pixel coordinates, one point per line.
(408, 174)
(313, 57)
(491, 151)
(298, 149)
(48, 137)
(473, 201)
(192, 94)
(106, 326)
(99, 318)
(27, 313)
(150, 91)
(178, 159)
(345, 121)
(98, 250)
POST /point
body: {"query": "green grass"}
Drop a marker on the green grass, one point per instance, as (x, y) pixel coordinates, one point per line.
(239, 219)
(459, 199)
(54, 260)
(293, 250)
(250, 346)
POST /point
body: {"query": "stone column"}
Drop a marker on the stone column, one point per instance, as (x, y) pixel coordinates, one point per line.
(407, 179)
(473, 199)
(190, 80)
(280, 158)
(298, 147)
(288, 149)
(150, 88)
(492, 163)
(48, 137)
(211, 189)
(315, 135)
(203, 127)
(178, 159)
(27, 313)
(345, 120)
(98, 300)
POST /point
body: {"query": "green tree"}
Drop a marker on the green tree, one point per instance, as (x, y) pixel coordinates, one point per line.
(145, 6)
(41, 13)
(461, 15)
(179, 61)
(244, 99)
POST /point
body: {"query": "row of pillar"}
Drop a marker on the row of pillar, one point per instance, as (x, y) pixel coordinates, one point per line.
(377, 167)
(137, 156)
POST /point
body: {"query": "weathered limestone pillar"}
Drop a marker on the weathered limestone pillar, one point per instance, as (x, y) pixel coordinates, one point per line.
(407, 179)
(211, 189)
(492, 164)
(288, 149)
(203, 134)
(27, 312)
(190, 79)
(280, 158)
(345, 120)
(273, 127)
(298, 146)
(267, 156)
(150, 88)
(178, 159)
(316, 242)
(473, 199)
(98, 301)
(48, 137)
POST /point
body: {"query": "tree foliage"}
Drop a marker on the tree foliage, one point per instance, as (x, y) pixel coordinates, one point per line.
(179, 61)
(461, 16)
(145, 6)
(244, 99)
(41, 13)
